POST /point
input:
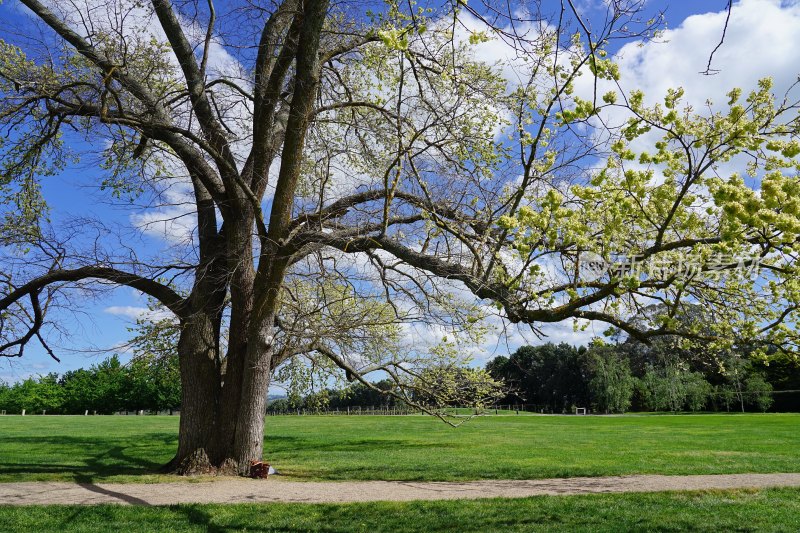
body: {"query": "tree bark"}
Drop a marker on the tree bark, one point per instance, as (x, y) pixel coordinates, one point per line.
(249, 442)
(216, 438)
(222, 417)
(241, 294)
(200, 387)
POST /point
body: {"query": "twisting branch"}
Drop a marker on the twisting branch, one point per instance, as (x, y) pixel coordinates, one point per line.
(184, 150)
(109, 68)
(235, 86)
(195, 83)
(271, 69)
(709, 71)
(355, 375)
(212, 17)
(171, 299)
(20, 343)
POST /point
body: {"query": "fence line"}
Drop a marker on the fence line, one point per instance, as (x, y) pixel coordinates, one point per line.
(720, 402)
(348, 411)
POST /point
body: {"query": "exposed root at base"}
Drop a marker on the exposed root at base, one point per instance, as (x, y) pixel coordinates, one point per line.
(229, 467)
(197, 463)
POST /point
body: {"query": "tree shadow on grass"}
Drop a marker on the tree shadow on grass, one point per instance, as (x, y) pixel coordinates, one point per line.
(407, 517)
(81, 516)
(82, 459)
(199, 516)
(91, 459)
(263, 518)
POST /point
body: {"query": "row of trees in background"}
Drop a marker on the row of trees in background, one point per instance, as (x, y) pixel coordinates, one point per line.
(553, 378)
(358, 395)
(151, 384)
(661, 376)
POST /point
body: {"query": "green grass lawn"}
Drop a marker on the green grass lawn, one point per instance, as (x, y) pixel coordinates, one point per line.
(415, 447)
(764, 510)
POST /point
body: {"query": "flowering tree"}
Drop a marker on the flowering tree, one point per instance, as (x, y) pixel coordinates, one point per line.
(351, 174)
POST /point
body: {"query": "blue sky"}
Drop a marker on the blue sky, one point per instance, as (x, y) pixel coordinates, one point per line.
(762, 39)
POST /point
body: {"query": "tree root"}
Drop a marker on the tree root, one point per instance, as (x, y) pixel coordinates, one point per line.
(198, 463)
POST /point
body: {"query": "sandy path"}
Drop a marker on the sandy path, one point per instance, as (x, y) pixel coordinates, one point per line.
(276, 490)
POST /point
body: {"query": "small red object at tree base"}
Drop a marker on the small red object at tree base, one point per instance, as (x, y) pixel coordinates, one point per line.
(259, 469)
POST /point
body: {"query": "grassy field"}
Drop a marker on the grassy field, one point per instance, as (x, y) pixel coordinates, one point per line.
(766, 510)
(416, 448)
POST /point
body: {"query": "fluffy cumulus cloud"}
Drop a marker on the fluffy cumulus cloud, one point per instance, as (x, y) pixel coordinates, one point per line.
(761, 40)
(138, 308)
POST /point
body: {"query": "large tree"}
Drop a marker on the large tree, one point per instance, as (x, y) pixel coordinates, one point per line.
(355, 173)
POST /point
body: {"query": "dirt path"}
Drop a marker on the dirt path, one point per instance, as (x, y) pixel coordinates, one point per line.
(276, 490)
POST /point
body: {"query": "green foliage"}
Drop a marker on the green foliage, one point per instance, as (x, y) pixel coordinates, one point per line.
(672, 388)
(782, 371)
(154, 383)
(31, 149)
(109, 386)
(697, 392)
(549, 377)
(154, 372)
(443, 386)
(353, 396)
(33, 395)
(643, 198)
(362, 330)
(34, 149)
(758, 392)
(661, 375)
(82, 391)
(612, 383)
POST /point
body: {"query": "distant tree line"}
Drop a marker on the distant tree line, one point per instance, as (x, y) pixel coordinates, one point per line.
(553, 378)
(632, 376)
(355, 396)
(151, 384)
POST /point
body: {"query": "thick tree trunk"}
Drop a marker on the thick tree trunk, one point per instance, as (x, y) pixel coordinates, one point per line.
(200, 387)
(249, 442)
(240, 251)
(213, 438)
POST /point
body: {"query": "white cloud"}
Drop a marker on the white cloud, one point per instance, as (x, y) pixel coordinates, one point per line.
(761, 40)
(134, 312)
(175, 222)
